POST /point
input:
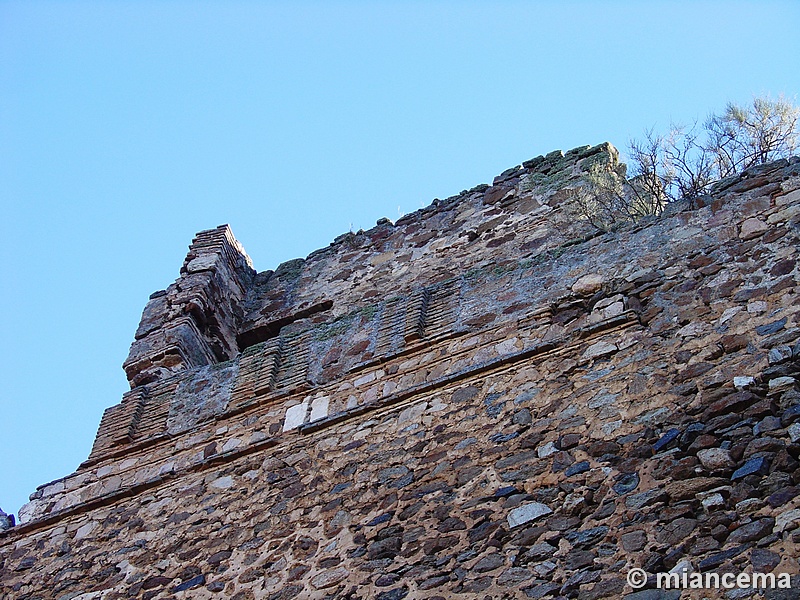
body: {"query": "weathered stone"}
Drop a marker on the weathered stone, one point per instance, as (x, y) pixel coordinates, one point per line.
(754, 466)
(779, 354)
(674, 532)
(190, 583)
(360, 421)
(764, 561)
(730, 403)
(781, 384)
(626, 483)
(489, 563)
(642, 499)
(606, 588)
(395, 594)
(540, 551)
(790, 415)
(541, 590)
(599, 350)
(712, 501)
(768, 423)
(665, 440)
(329, 578)
(633, 541)
(794, 432)
(527, 512)
(771, 328)
(588, 537)
(688, 489)
(716, 459)
(588, 284)
(743, 382)
(752, 531)
(787, 519)
(577, 468)
(752, 228)
(715, 560)
(654, 595)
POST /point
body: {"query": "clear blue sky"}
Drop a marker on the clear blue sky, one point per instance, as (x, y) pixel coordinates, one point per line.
(126, 127)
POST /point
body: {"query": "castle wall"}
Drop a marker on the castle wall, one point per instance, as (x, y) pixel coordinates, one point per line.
(486, 399)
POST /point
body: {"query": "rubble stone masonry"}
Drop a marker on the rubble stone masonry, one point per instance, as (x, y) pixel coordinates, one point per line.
(486, 399)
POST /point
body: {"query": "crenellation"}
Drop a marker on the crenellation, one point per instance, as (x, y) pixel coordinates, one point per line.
(487, 398)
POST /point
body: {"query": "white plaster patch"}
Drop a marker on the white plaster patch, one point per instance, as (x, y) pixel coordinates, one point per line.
(85, 530)
(319, 408)
(412, 413)
(599, 349)
(223, 482)
(728, 314)
(526, 513)
(105, 470)
(546, 450)
(295, 416)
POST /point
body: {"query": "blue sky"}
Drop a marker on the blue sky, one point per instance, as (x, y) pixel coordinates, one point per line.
(126, 127)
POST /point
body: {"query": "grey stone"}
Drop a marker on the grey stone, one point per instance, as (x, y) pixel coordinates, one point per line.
(752, 228)
(633, 541)
(6, 521)
(505, 492)
(752, 531)
(587, 537)
(715, 459)
(666, 440)
(642, 499)
(778, 385)
(715, 560)
(577, 468)
(193, 582)
(578, 579)
(514, 576)
(654, 595)
(779, 354)
(578, 559)
(754, 466)
(787, 519)
(771, 328)
(395, 594)
(542, 590)
(784, 594)
(764, 561)
(527, 512)
(489, 563)
(541, 551)
(626, 483)
(790, 415)
(522, 417)
(766, 424)
(465, 442)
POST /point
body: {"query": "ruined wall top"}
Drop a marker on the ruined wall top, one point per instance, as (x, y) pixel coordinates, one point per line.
(487, 397)
(511, 260)
(219, 306)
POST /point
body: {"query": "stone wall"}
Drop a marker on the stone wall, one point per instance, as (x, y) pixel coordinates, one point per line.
(485, 399)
